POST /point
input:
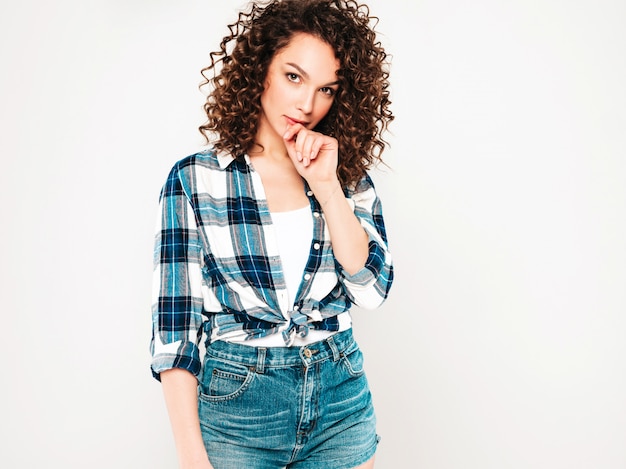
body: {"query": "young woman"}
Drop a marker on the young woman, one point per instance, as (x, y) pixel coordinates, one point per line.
(266, 240)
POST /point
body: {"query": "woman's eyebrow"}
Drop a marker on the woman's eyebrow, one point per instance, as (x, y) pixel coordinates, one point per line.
(300, 69)
(306, 75)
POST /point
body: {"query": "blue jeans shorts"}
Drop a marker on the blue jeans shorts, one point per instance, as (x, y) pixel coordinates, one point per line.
(304, 407)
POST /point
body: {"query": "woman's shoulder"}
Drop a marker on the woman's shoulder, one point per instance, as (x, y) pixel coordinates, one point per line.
(205, 158)
(200, 172)
(205, 161)
(365, 184)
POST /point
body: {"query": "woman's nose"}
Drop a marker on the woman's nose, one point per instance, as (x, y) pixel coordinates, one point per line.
(306, 102)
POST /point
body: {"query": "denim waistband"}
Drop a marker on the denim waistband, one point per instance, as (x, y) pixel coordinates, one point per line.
(333, 347)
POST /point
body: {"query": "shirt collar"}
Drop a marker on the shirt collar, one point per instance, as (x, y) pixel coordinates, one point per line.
(224, 159)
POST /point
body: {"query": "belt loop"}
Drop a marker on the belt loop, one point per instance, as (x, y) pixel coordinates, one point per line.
(260, 360)
(333, 347)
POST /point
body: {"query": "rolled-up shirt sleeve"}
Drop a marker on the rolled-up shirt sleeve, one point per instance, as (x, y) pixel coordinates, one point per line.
(177, 300)
(369, 287)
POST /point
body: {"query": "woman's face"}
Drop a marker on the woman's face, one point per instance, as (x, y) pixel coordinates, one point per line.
(300, 86)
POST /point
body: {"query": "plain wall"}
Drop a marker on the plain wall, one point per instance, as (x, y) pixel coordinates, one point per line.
(502, 344)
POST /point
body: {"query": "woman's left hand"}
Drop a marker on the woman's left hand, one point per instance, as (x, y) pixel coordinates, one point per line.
(314, 155)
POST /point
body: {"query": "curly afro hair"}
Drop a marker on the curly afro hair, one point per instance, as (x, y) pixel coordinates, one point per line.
(360, 112)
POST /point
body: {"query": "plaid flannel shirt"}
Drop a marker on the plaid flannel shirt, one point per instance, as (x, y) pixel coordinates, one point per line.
(217, 270)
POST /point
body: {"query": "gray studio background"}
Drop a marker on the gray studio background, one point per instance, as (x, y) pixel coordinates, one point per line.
(502, 345)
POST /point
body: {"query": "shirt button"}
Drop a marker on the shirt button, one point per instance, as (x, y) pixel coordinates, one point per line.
(316, 214)
(307, 353)
(316, 246)
(307, 276)
(309, 193)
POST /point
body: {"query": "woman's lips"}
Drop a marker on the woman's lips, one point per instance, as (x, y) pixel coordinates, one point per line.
(292, 121)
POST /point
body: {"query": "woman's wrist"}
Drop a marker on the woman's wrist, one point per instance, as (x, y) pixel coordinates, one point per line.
(326, 192)
(330, 197)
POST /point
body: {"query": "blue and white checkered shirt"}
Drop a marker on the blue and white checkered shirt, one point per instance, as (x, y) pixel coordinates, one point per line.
(217, 268)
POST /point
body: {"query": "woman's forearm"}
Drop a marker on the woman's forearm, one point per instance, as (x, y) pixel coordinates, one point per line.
(181, 399)
(350, 241)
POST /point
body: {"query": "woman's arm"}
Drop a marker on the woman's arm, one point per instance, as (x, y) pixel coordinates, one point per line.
(356, 227)
(181, 399)
(350, 241)
(315, 157)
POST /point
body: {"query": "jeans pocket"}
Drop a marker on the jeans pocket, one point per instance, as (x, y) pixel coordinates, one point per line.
(353, 361)
(224, 380)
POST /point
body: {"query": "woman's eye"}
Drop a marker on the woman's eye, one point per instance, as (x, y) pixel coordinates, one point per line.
(328, 91)
(293, 77)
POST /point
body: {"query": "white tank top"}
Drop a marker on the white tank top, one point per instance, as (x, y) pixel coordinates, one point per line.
(294, 233)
